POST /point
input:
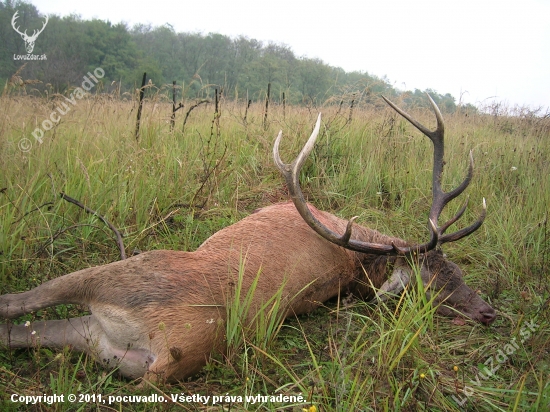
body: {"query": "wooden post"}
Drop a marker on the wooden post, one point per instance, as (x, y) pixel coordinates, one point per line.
(267, 104)
(351, 110)
(173, 118)
(141, 94)
(246, 110)
(174, 107)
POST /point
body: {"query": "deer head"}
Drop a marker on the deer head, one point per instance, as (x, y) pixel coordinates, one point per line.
(438, 274)
(29, 40)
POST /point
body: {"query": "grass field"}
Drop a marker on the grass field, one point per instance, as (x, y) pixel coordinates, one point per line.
(172, 190)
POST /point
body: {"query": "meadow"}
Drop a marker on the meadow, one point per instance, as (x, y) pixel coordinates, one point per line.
(172, 189)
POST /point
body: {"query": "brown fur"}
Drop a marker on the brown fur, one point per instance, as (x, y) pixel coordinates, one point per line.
(162, 313)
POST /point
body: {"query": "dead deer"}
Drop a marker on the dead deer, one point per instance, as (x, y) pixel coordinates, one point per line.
(161, 314)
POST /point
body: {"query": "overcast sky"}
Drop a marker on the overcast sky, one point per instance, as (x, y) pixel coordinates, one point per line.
(478, 49)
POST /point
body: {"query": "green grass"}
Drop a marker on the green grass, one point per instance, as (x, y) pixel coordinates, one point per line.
(172, 190)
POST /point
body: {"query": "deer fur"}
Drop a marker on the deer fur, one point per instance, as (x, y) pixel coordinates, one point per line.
(161, 314)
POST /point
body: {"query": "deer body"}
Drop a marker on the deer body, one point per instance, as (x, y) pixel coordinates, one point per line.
(162, 313)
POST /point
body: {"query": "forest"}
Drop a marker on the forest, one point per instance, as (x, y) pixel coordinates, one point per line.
(240, 68)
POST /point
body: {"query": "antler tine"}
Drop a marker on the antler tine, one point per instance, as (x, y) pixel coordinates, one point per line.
(440, 126)
(296, 165)
(457, 216)
(291, 173)
(459, 234)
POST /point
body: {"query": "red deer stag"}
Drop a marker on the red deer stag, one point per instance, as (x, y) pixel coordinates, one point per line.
(160, 314)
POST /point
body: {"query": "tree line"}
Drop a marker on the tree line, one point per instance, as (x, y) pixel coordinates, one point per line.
(240, 68)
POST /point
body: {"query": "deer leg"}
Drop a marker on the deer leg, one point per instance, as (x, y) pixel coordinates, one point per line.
(64, 289)
(84, 334)
(52, 334)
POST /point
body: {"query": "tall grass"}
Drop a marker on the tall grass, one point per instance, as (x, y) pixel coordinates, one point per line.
(172, 190)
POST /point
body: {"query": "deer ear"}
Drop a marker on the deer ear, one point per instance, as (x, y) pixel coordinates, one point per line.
(399, 278)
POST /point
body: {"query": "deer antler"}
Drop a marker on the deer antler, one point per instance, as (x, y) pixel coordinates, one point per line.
(35, 32)
(439, 197)
(291, 173)
(29, 40)
(13, 19)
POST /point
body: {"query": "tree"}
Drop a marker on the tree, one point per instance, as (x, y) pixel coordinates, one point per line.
(241, 65)
(314, 79)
